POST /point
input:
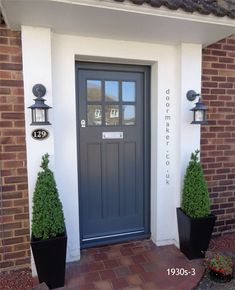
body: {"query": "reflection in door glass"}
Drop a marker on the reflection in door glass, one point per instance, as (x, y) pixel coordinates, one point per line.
(111, 115)
(128, 91)
(128, 115)
(111, 91)
(94, 115)
(93, 90)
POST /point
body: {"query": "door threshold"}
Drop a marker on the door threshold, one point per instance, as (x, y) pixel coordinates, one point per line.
(115, 239)
(112, 236)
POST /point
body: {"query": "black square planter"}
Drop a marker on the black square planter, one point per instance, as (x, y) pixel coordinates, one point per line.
(194, 234)
(50, 258)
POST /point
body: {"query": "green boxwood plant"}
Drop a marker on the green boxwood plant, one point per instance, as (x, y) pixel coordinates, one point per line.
(47, 218)
(195, 196)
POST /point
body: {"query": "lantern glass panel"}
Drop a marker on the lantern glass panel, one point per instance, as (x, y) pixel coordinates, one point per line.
(39, 115)
(199, 116)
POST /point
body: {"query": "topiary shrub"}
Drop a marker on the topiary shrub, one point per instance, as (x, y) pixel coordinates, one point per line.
(195, 196)
(47, 217)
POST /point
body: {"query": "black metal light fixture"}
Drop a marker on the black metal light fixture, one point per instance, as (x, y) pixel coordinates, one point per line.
(39, 109)
(199, 111)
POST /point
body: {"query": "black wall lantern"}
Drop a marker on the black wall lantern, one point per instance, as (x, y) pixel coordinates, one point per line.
(199, 111)
(39, 109)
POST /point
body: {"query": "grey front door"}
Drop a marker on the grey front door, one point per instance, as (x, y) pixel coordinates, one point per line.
(113, 126)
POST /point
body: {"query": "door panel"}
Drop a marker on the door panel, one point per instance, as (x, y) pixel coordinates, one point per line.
(130, 200)
(114, 191)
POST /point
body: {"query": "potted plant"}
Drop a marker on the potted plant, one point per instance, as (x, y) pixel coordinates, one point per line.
(49, 239)
(220, 267)
(195, 223)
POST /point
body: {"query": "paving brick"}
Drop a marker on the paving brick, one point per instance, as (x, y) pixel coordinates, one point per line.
(96, 266)
(103, 285)
(119, 283)
(91, 277)
(108, 274)
(100, 257)
(111, 264)
(122, 271)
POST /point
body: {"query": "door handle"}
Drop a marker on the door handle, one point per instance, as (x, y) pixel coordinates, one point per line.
(83, 123)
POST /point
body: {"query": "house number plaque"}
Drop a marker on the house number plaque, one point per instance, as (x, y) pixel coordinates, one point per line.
(40, 134)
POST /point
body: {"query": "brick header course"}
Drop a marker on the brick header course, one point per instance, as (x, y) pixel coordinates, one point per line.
(14, 212)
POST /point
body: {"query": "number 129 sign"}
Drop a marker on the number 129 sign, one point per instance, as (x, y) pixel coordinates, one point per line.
(40, 134)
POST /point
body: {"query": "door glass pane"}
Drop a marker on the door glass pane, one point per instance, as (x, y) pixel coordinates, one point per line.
(93, 90)
(94, 115)
(111, 91)
(128, 115)
(111, 115)
(128, 91)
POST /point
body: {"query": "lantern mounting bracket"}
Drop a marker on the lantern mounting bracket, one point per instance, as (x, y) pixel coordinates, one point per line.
(191, 95)
(39, 90)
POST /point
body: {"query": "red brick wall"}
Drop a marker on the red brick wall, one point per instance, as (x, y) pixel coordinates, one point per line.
(217, 144)
(14, 219)
(218, 137)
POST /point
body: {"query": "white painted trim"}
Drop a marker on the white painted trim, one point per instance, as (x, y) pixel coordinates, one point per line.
(34, 42)
(149, 10)
(173, 69)
(121, 21)
(167, 242)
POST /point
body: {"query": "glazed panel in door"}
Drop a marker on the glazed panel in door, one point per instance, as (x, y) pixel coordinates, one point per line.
(112, 193)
